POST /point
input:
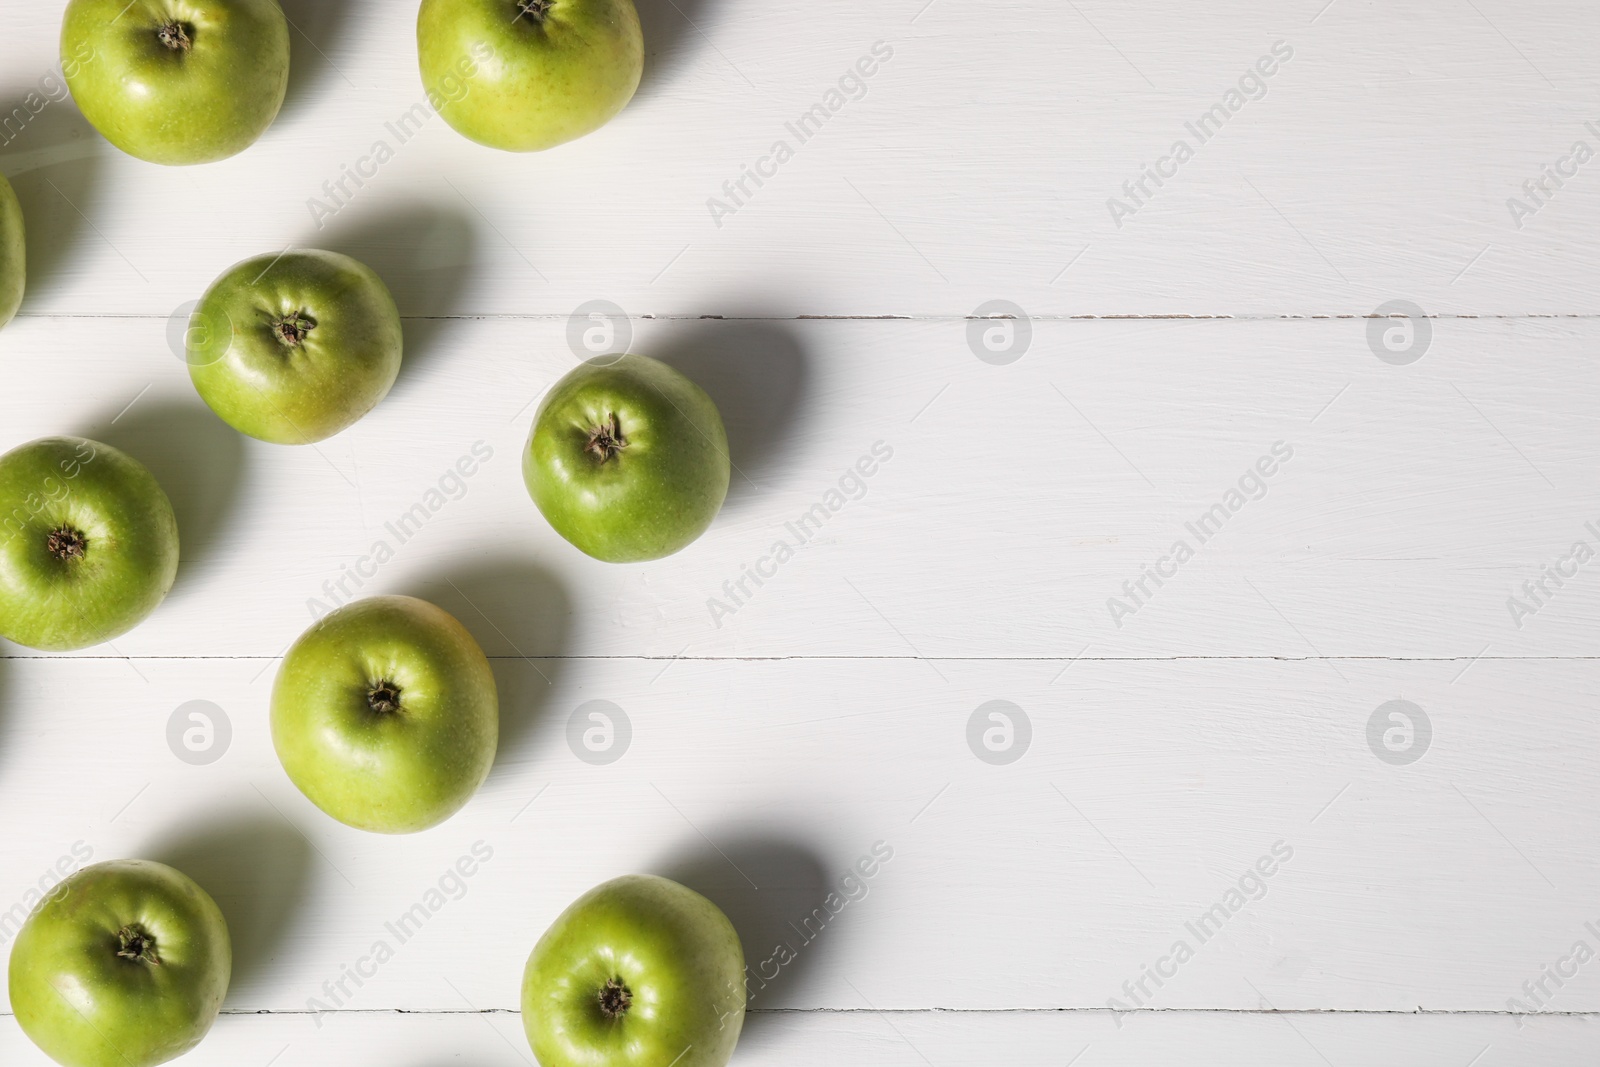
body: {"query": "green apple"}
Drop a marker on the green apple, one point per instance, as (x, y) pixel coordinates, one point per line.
(638, 972)
(627, 459)
(13, 253)
(88, 544)
(294, 347)
(385, 715)
(526, 75)
(124, 964)
(177, 81)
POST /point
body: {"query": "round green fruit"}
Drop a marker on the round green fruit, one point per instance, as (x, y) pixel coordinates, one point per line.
(88, 544)
(385, 715)
(627, 459)
(295, 347)
(638, 972)
(526, 75)
(177, 81)
(13, 253)
(124, 964)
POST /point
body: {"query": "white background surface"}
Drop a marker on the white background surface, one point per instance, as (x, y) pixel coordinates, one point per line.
(830, 711)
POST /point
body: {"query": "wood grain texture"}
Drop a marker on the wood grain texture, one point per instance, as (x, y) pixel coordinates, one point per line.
(897, 1040)
(1015, 503)
(1148, 792)
(978, 165)
(960, 529)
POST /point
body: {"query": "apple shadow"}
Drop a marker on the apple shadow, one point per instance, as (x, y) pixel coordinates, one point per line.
(198, 459)
(424, 252)
(522, 616)
(7, 741)
(314, 31)
(255, 867)
(53, 162)
(669, 33)
(771, 889)
(759, 375)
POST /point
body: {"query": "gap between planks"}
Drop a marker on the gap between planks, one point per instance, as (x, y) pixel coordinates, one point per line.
(798, 317)
(1484, 1012)
(895, 659)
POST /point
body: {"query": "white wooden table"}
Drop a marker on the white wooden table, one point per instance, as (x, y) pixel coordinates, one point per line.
(1417, 906)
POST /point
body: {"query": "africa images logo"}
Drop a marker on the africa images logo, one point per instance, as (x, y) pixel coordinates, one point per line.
(1251, 485)
(852, 485)
(1252, 85)
(453, 884)
(1249, 887)
(451, 485)
(851, 85)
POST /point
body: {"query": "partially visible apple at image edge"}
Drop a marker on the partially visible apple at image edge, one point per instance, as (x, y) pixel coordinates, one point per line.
(13, 253)
(177, 83)
(88, 544)
(527, 75)
(640, 970)
(124, 964)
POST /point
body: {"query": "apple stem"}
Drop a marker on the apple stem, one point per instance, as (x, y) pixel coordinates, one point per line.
(135, 943)
(292, 330)
(66, 543)
(615, 998)
(538, 10)
(606, 440)
(384, 698)
(175, 35)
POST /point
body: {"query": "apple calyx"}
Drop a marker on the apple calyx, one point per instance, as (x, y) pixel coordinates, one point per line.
(175, 35)
(537, 10)
(615, 999)
(66, 543)
(293, 329)
(134, 942)
(606, 440)
(384, 698)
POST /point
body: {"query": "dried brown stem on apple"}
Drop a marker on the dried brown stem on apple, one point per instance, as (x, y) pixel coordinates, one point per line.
(292, 330)
(606, 440)
(66, 543)
(175, 35)
(384, 698)
(615, 998)
(136, 943)
(534, 9)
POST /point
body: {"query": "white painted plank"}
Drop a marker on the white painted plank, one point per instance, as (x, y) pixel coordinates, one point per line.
(1018, 500)
(1146, 792)
(831, 710)
(917, 1040)
(979, 165)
